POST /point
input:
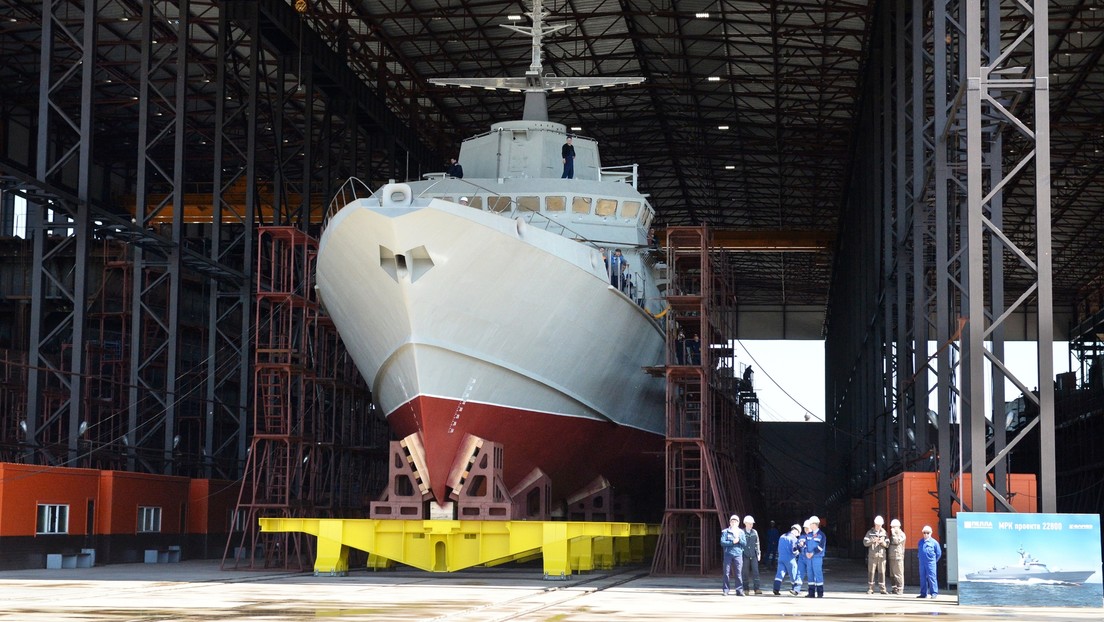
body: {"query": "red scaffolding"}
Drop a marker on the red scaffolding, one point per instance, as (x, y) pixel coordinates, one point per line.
(315, 444)
(711, 416)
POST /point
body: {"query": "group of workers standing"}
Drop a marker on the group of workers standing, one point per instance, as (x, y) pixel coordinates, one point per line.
(880, 544)
(800, 557)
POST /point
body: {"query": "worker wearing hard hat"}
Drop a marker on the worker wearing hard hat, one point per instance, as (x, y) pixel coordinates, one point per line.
(752, 554)
(876, 541)
(897, 557)
(928, 552)
(815, 545)
(788, 553)
(802, 561)
(733, 543)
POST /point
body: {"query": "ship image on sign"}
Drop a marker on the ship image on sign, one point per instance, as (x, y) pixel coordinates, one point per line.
(989, 575)
(1030, 569)
(514, 301)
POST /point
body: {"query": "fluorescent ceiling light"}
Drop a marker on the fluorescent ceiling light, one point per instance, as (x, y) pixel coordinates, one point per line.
(714, 78)
(722, 127)
(513, 18)
(701, 15)
(730, 167)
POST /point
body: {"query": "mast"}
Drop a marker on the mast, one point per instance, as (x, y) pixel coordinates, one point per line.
(535, 84)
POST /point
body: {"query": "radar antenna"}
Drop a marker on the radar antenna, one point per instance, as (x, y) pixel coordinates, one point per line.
(535, 84)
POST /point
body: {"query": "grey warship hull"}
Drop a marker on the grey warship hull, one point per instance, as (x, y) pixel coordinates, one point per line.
(1018, 574)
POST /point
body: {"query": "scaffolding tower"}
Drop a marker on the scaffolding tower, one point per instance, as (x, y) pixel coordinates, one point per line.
(711, 412)
(317, 446)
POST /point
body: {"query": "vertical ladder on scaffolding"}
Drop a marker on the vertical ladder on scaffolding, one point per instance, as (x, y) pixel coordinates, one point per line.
(275, 471)
(703, 483)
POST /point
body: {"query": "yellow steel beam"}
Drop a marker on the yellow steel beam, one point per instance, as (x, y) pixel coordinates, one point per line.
(766, 240)
(197, 206)
(450, 545)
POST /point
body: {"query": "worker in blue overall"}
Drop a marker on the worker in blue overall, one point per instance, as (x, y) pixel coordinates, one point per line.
(733, 543)
(787, 561)
(802, 562)
(815, 544)
(928, 552)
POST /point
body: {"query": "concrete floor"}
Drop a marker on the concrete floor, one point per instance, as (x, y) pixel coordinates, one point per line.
(199, 591)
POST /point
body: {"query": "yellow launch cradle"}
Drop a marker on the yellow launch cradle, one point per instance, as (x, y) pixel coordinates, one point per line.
(451, 545)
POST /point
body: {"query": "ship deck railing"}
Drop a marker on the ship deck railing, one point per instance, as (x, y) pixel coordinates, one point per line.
(627, 173)
(352, 190)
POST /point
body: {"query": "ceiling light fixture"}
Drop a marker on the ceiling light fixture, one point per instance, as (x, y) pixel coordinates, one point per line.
(722, 127)
(701, 15)
(714, 78)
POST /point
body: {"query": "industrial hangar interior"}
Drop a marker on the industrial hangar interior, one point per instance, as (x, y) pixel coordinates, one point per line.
(912, 182)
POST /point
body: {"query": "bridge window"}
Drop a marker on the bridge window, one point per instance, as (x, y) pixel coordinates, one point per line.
(529, 204)
(630, 209)
(476, 202)
(555, 204)
(580, 205)
(498, 204)
(606, 207)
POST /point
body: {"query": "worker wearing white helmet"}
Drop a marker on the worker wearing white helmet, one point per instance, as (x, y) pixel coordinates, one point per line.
(802, 561)
(752, 554)
(897, 557)
(788, 554)
(815, 545)
(733, 543)
(876, 541)
(928, 552)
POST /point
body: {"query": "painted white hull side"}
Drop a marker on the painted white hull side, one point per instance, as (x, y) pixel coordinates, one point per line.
(486, 309)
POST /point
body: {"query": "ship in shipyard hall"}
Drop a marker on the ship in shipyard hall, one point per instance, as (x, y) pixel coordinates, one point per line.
(492, 306)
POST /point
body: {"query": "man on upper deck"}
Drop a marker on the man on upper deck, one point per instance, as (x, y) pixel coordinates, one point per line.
(568, 153)
(454, 169)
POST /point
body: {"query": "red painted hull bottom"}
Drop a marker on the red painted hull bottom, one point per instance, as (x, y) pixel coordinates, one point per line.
(571, 450)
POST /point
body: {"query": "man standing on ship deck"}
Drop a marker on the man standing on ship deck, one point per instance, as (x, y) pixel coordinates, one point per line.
(568, 153)
(615, 268)
(454, 169)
